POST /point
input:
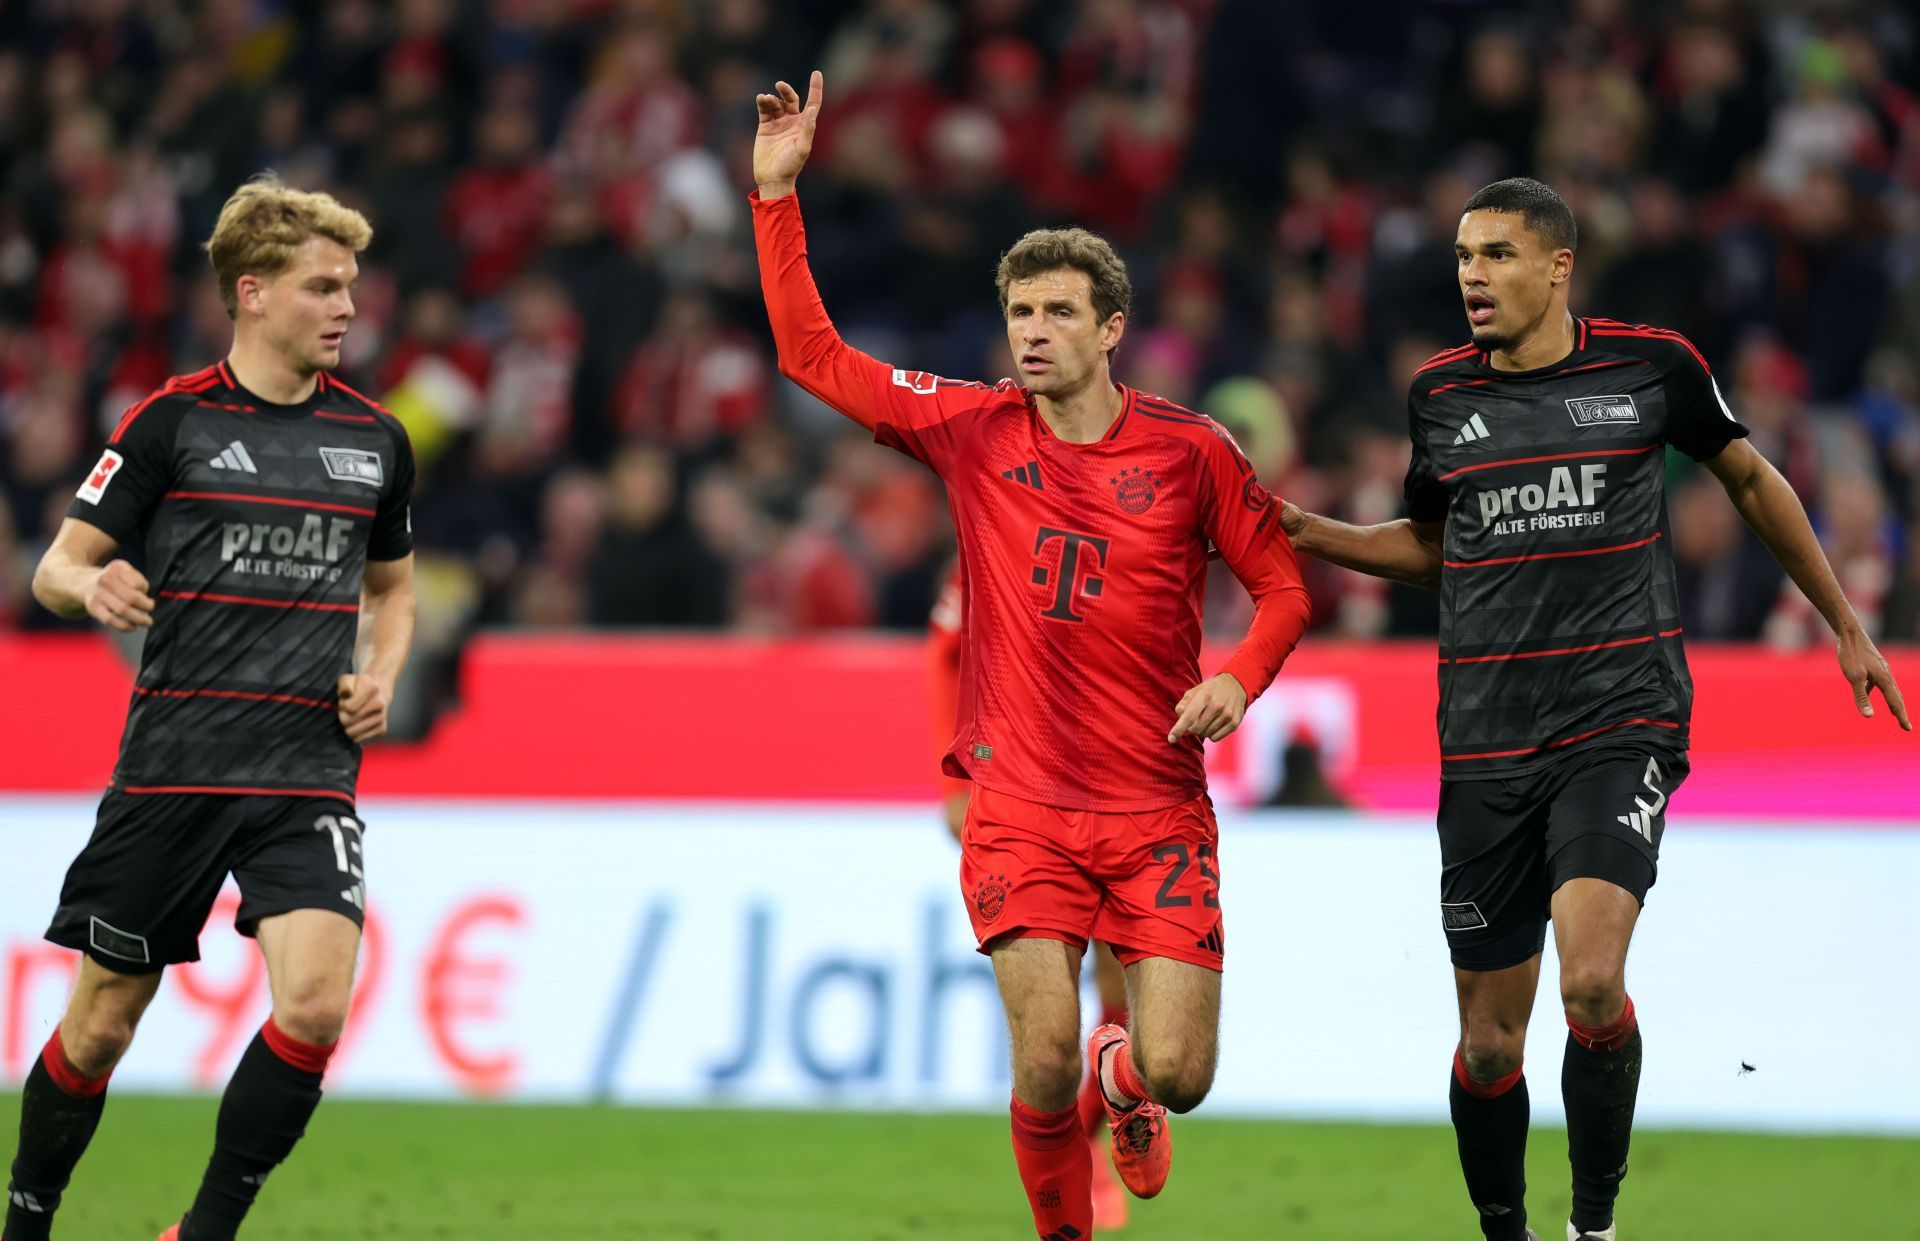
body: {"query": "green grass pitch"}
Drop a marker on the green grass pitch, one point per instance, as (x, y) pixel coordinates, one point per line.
(486, 1173)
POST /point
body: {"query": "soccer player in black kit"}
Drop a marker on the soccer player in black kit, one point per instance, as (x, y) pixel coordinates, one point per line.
(278, 607)
(1537, 510)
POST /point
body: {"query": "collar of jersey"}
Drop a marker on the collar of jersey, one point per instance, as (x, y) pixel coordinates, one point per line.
(240, 395)
(1113, 432)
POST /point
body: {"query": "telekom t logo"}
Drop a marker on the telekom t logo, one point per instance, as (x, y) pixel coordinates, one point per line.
(1069, 581)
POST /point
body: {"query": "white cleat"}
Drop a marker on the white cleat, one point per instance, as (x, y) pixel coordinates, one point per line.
(1574, 1234)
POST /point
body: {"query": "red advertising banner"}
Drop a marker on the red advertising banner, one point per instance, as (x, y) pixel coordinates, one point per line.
(606, 716)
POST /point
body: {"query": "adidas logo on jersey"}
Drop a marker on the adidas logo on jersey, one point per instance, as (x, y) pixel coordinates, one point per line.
(234, 457)
(1028, 474)
(1473, 430)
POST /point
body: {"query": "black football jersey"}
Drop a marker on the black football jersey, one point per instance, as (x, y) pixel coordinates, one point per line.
(258, 521)
(1560, 625)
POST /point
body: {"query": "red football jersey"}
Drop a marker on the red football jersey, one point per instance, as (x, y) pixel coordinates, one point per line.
(946, 640)
(1084, 563)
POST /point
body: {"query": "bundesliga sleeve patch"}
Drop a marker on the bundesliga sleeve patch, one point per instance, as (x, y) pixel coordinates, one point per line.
(916, 381)
(103, 473)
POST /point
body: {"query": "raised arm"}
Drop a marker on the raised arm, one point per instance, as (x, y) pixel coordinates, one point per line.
(810, 350)
(1767, 502)
(1401, 551)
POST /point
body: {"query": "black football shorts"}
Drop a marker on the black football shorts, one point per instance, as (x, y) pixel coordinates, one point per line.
(1506, 846)
(137, 897)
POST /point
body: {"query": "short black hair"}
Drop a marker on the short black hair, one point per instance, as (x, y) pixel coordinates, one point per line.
(1547, 213)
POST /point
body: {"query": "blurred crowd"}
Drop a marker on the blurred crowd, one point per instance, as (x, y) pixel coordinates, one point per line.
(562, 303)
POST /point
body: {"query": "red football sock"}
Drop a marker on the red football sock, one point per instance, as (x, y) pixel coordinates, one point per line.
(1092, 1106)
(1124, 1076)
(1056, 1169)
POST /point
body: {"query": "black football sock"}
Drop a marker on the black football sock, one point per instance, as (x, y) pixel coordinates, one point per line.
(262, 1115)
(1490, 1124)
(59, 1110)
(1599, 1080)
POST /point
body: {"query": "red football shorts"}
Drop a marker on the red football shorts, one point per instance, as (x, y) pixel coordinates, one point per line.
(1145, 882)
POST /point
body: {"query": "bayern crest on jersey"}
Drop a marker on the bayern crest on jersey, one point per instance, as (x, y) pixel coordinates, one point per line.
(1134, 490)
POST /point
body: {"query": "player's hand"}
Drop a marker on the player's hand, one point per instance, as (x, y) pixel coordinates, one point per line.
(363, 707)
(1211, 709)
(118, 597)
(785, 137)
(1293, 518)
(1865, 669)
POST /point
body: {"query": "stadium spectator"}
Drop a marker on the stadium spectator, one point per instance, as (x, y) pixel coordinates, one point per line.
(649, 568)
(496, 209)
(541, 176)
(695, 382)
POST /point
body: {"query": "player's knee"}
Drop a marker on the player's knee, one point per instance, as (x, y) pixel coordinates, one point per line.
(1177, 1082)
(1592, 995)
(318, 1016)
(94, 1041)
(1049, 1067)
(1491, 1055)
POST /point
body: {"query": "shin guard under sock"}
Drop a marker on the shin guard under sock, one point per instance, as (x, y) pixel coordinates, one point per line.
(1600, 1081)
(262, 1115)
(59, 1110)
(1056, 1169)
(1490, 1125)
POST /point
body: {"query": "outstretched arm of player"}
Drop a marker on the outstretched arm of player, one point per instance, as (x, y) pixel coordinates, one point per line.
(386, 634)
(1401, 551)
(810, 350)
(76, 578)
(1768, 504)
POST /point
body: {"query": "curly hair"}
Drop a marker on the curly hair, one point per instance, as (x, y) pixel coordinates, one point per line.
(1050, 249)
(265, 221)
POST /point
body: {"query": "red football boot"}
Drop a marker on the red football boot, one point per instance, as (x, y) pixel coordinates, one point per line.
(1110, 1209)
(1142, 1145)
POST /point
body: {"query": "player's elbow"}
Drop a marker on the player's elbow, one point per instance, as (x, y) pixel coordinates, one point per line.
(1426, 572)
(396, 595)
(804, 371)
(42, 583)
(1298, 602)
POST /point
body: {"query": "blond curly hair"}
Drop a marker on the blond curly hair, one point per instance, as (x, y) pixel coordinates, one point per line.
(265, 221)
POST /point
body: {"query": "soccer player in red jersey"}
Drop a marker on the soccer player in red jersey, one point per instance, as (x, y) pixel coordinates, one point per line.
(946, 638)
(1084, 511)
